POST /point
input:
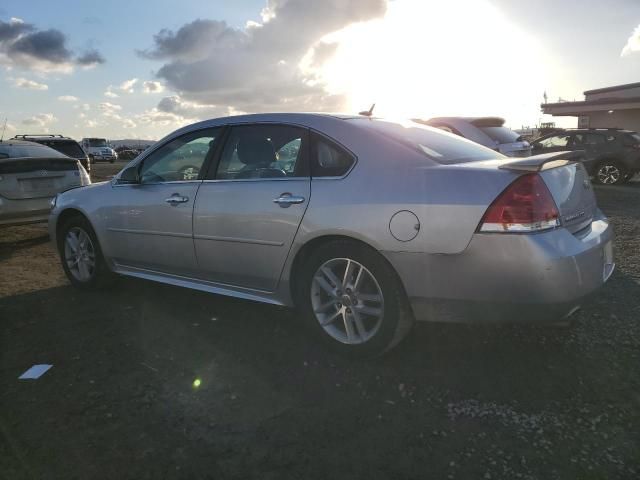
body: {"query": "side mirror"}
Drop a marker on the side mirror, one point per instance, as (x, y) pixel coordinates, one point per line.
(129, 176)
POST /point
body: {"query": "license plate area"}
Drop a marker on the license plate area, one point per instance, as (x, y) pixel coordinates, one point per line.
(37, 184)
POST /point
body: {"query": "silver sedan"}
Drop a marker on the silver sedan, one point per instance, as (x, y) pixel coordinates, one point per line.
(364, 225)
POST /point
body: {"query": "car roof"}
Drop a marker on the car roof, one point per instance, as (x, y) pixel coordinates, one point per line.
(12, 142)
(476, 121)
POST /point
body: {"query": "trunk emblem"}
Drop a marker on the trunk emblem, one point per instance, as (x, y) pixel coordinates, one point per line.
(568, 218)
(43, 173)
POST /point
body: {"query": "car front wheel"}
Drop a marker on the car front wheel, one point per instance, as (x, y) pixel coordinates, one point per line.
(610, 173)
(81, 256)
(353, 300)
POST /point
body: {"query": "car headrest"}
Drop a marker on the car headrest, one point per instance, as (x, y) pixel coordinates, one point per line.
(256, 151)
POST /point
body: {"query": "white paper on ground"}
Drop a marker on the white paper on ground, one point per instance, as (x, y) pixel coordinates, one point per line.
(34, 372)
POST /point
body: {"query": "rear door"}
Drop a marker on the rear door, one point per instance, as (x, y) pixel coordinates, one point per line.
(149, 225)
(249, 208)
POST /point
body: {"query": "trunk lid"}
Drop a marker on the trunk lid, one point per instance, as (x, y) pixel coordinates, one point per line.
(22, 178)
(568, 182)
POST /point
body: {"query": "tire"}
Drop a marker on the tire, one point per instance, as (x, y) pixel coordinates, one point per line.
(96, 276)
(610, 172)
(355, 323)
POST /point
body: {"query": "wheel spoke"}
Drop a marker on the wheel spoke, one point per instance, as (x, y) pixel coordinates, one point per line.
(331, 276)
(348, 271)
(322, 283)
(348, 327)
(73, 242)
(359, 325)
(330, 318)
(83, 269)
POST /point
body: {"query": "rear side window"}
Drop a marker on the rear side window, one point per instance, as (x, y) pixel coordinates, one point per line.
(328, 159)
(69, 148)
(440, 146)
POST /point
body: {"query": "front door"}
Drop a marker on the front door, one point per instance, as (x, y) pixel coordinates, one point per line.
(149, 225)
(249, 208)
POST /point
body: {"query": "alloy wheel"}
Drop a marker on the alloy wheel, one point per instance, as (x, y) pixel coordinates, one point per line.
(79, 254)
(347, 301)
(609, 174)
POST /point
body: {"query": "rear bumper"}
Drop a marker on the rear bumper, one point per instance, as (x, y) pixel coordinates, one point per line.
(29, 210)
(509, 278)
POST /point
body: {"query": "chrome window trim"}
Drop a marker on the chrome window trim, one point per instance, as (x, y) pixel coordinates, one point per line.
(114, 183)
(275, 179)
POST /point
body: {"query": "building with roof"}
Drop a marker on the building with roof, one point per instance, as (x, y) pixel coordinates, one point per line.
(610, 107)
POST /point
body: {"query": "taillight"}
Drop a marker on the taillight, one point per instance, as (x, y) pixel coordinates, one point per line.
(524, 206)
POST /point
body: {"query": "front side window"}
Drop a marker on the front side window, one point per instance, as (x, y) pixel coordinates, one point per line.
(180, 159)
(263, 151)
(328, 159)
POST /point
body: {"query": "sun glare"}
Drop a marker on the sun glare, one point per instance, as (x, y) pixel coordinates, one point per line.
(432, 58)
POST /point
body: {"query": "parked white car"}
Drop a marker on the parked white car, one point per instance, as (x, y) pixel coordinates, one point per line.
(487, 131)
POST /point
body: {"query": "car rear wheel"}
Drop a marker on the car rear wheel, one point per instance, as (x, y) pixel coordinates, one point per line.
(610, 173)
(353, 300)
(81, 256)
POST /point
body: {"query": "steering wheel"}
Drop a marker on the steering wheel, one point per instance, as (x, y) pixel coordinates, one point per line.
(189, 172)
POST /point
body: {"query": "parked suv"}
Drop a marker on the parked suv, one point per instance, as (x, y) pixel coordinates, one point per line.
(62, 144)
(611, 156)
(487, 131)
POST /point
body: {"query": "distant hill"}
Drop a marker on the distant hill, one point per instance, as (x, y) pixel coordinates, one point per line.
(132, 143)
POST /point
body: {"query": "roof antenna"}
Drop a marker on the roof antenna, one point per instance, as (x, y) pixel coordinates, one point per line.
(3, 129)
(368, 113)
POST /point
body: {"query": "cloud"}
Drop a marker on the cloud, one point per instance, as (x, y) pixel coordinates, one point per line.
(152, 87)
(29, 84)
(68, 98)
(25, 46)
(257, 68)
(109, 107)
(110, 93)
(633, 43)
(90, 58)
(127, 85)
(40, 119)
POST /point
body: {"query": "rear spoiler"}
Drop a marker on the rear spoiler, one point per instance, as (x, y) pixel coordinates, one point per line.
(537, 163)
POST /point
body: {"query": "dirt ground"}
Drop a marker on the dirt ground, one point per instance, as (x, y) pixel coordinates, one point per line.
(451, 402)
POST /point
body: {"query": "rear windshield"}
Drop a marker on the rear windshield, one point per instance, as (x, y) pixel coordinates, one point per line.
(69, 148)
(501, 134)
(436, 144)
(22, 151)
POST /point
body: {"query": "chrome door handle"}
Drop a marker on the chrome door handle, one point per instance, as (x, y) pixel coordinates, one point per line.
(286, 200)
(176, 199)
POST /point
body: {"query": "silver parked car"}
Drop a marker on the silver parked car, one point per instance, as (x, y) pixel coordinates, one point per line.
(364, 225)
(487, 131)
(30, 176)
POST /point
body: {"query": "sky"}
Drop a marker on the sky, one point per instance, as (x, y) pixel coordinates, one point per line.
(125, 69)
